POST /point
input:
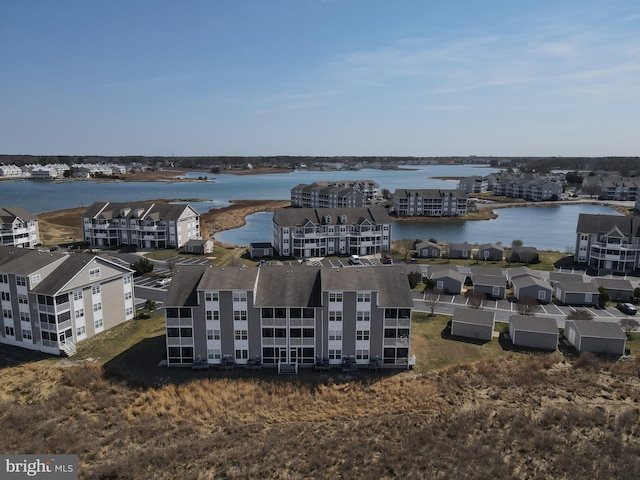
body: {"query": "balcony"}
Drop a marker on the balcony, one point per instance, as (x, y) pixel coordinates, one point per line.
(179, 341)
(397, 322)
(396, 342)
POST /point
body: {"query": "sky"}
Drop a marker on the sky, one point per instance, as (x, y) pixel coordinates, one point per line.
(320, 77)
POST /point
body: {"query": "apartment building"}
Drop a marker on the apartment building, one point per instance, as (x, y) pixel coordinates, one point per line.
(318, 232)
(334, 194)
(18, 228)
(288, 315)
(144, 225)
(473, 184)
(51, 301)
(10, 171)
(608, 242)
(429, 203)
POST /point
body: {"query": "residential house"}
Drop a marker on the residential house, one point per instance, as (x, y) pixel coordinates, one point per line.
(10, 171)
(582, 294)
(529, 287)
(260, 250)
(619, 289)
(608, 242)
(140, 224)
(288, 315)
(491, 286)
(555, 277)
(51, 301)
(481, 270)
(490, 252)
(199, 246)
(318, 232)
(448, 281)
(524, 255)
(459, 250)
(18, 228)
(522, 271)
(470, 323)
(428, 250)
(534, 332)
(595, 337)
(429, 203)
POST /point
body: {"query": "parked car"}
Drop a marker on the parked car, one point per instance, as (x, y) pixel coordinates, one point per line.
(163, 282)
(355, 260)
(386, 259)
(627, 308)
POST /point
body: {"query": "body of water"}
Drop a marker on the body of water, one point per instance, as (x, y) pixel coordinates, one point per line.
(546, 228)
(38, 197)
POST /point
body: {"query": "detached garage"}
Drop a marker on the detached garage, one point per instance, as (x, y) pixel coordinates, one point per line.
(472, 323)
(534, 332)
(595, 337)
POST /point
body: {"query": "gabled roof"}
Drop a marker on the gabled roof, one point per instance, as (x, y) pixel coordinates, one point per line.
(524, 281)
(474, 317)
(564, 277)
(530, 323)
(460, 246)
(589, 328)
(153, 210)
(427, 244)
(24, 261)
(613, 283)
(288, 286)
(291, 217)
(490, 280)
(519, 271)
(482, 270)
(486, 246)
(229, 278)
(10, 214)
(450, 273)
(184, 283)
(598, 224)
(578, 287)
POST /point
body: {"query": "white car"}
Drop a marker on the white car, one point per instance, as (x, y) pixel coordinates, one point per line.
(163, 282)
(354, 260)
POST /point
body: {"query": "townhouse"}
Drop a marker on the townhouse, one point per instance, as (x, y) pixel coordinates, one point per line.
(51, 301)
(318, 232)
(429, 202)
(335, 194)
(473, 184)
(140, 224)
(612, 187)
(18, 228)
(292, 315)
(608, 242)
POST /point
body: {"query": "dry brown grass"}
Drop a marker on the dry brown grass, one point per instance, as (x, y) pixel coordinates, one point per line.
(514, 417)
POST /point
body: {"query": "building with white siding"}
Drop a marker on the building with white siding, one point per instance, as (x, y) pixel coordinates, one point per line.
(18, 228)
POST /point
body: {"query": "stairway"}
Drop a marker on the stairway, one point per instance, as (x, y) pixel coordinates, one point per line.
(69, 348)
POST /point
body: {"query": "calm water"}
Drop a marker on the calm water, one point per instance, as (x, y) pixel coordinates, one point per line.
(38, 197)
(544, 227)
(547, 228)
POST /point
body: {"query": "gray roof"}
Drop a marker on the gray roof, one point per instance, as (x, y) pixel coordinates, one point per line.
(486, 246)
(184, 282)
(563, 277)
(229, 278)
(578, 287)
(427, 244)
(473, 316)
(524, 281)
(24, 261)
(518, 271)
(9, 214)
(490, 280)
(288, 286)
(460, 246)
(594, 223)
(530, 323)
(588, 328)
(427, 192)
(613, 283)
(73, 263)
(195, 242)
(155, 210)
(391, 282)
(492, 271)
(449, 273)
(290, 217)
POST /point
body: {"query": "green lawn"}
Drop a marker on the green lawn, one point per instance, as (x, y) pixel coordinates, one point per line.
(434, 350)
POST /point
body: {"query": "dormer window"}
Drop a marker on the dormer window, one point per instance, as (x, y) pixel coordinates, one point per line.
(327, 219)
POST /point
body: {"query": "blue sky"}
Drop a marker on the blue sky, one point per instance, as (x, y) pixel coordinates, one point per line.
(320, 77)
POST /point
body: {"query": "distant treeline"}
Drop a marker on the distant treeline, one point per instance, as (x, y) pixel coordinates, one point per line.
(540, 165)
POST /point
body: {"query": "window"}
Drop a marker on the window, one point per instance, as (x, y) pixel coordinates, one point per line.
(211, 296)
(363, 316)
(6, 313)
(335, 354)
(267, 313)
(335, 316)
(4, 278)
(240, 315)
(214, 354)
(364, 297)
(77, 295)
(94, 273)
(79, 313)
(362, 335)
(98, 323)
(239, 296)
(128, 311)
(362, 354)
(127, 296)
(21, 281)
(295, 313)
(26, 334)
(34, 278)
(542, 295)
(81, 330)
(335, 335)
(9, 331)
(241, 335)
(95, 289)
(335, 296)
(588, 297)
(5, 296)
(126, 279)
(24, 317)
(242, 354)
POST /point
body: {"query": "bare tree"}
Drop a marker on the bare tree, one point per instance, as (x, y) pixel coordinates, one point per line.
(528, 306)
(433, 300)
(582, 314)
(475, 299)
(629, 324)
(172, 262)
(403, 246)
